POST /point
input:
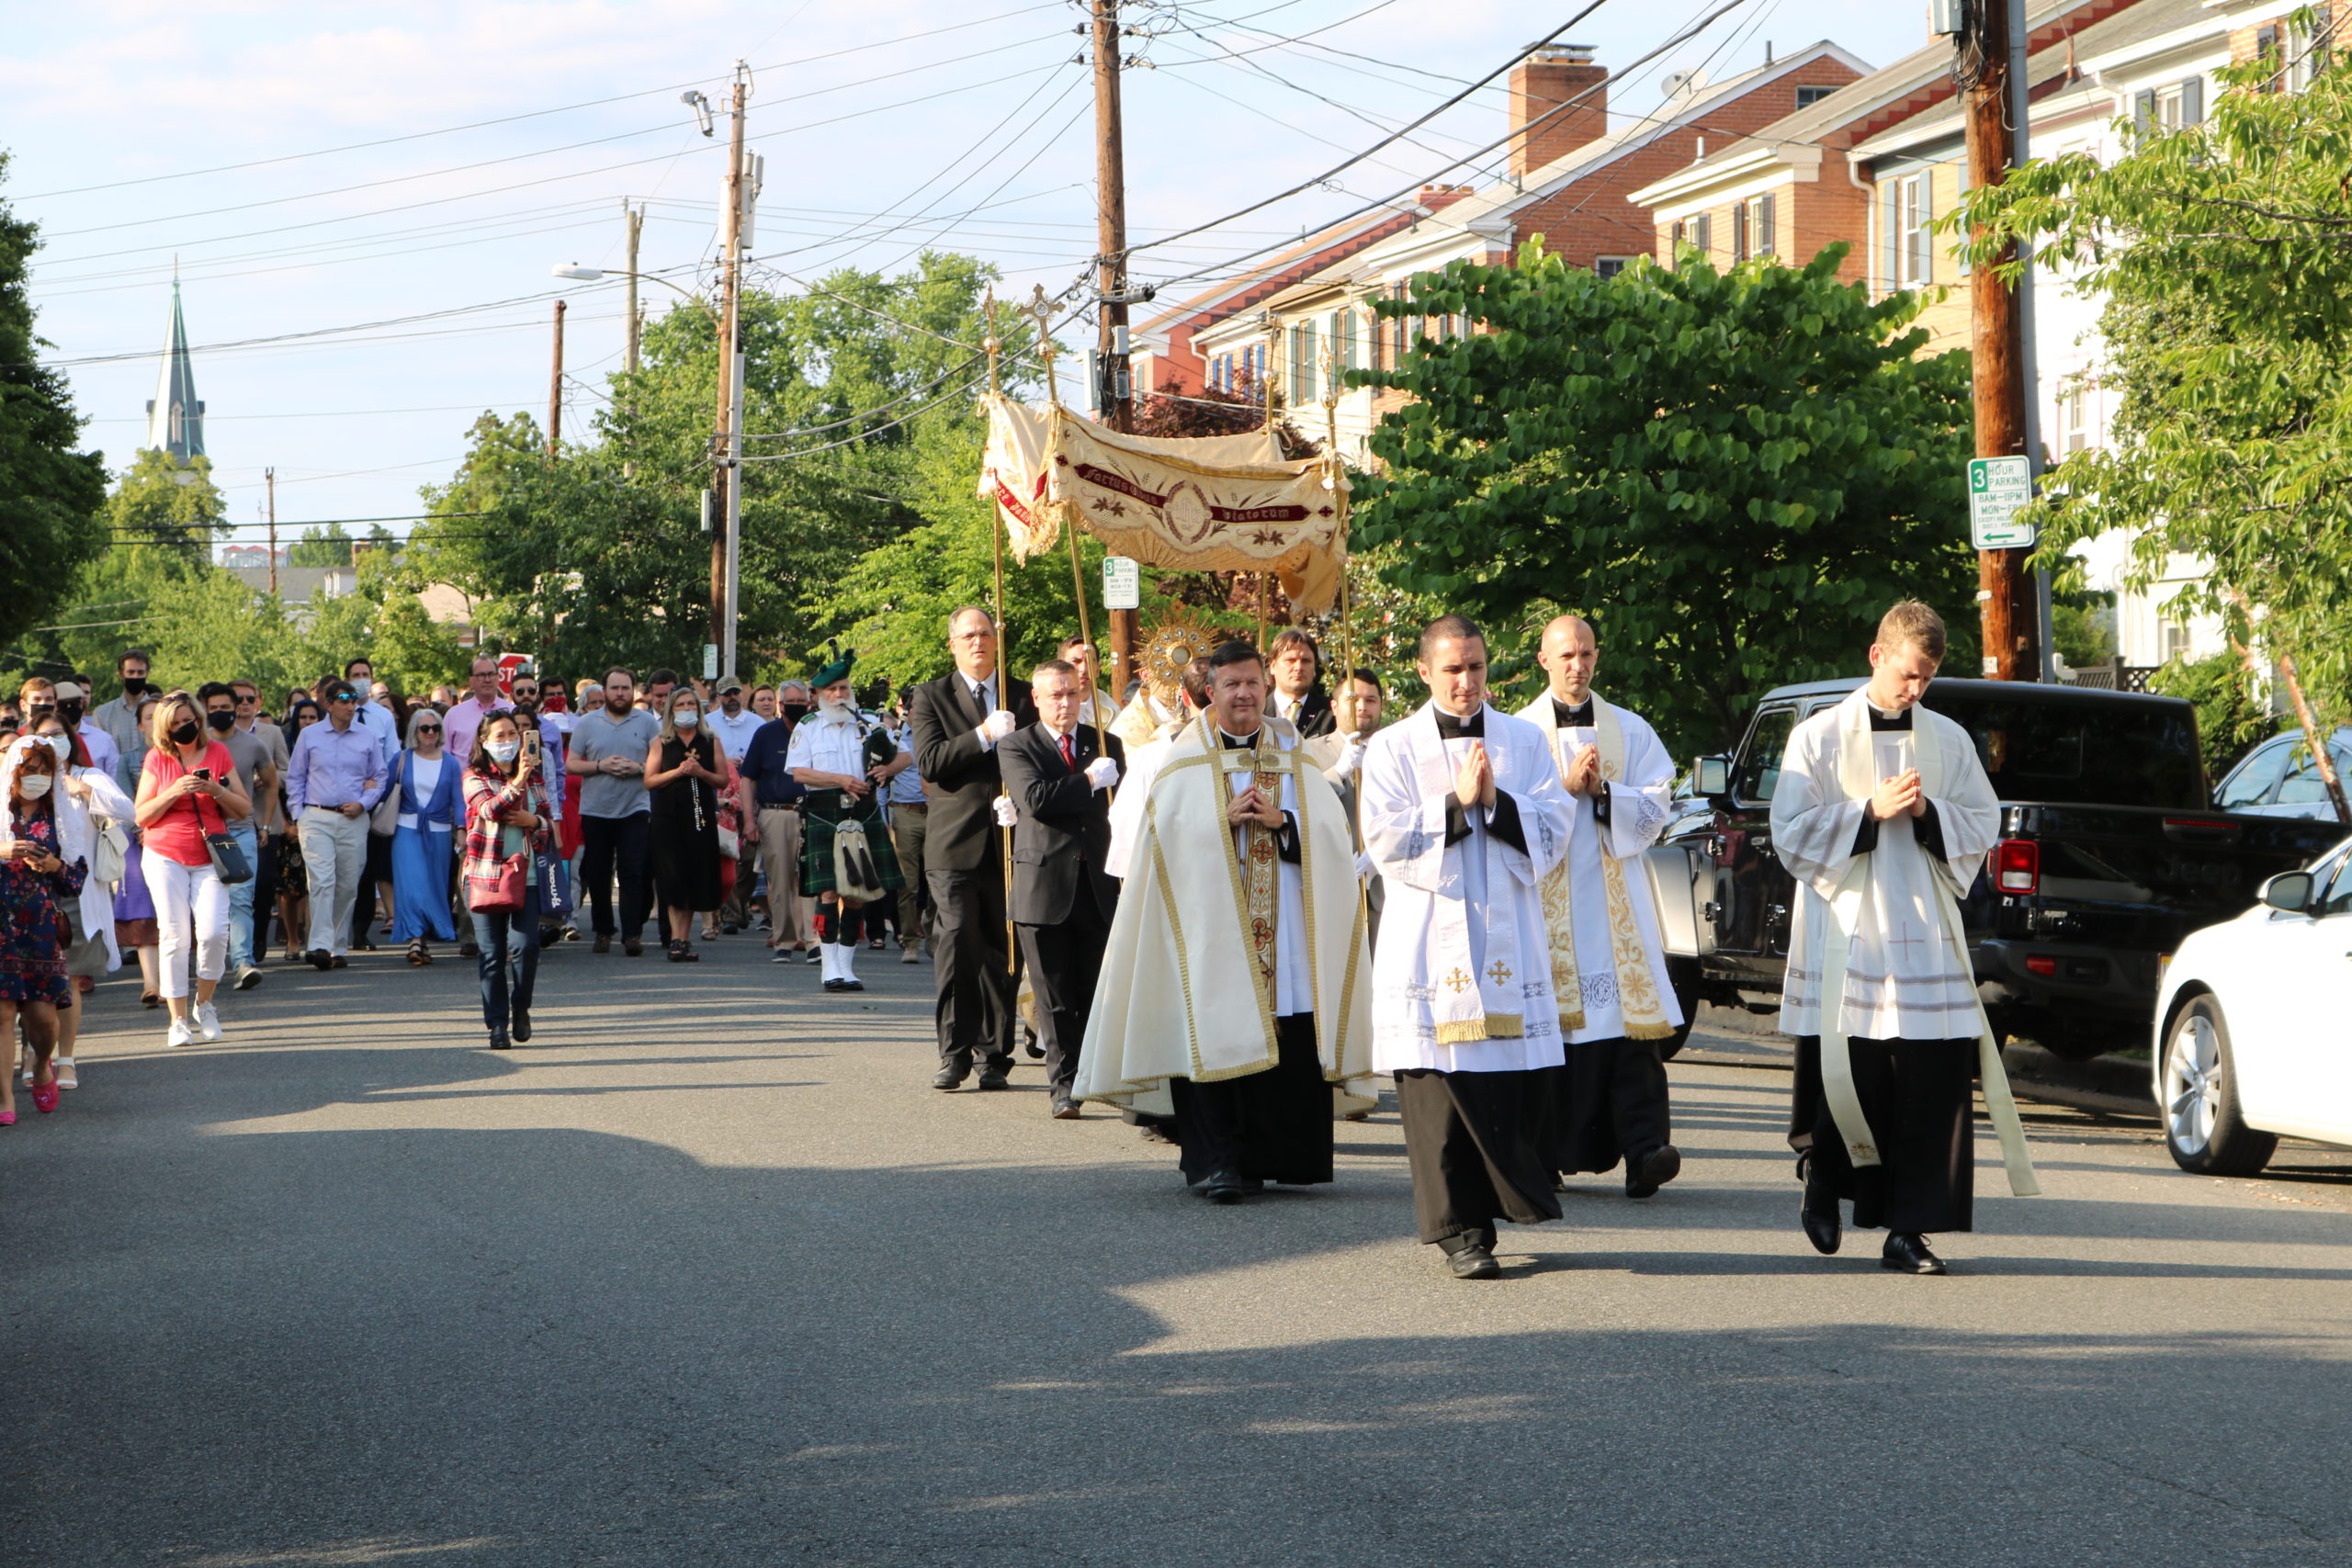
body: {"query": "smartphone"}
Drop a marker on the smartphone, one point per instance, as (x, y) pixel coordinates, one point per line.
(531, 741)
(205, 774)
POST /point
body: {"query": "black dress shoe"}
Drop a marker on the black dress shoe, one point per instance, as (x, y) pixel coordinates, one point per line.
(633, 947)
(1036, 1052)
(1822, 1225)
(837, 985)
(994, 1077)
(522, 1026)
(1653, 1170)
(1474, 1263)
(1906, 1252)
(853, 984)
(320, 958)
(1065, 1108)
(498, 1040)
(1230, 1187)
(947, 1077)
(339, 962)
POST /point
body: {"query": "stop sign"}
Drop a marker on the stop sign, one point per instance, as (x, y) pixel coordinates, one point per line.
(507, 664)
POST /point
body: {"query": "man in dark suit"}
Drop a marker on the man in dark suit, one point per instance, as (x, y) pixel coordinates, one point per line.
(1294, 665)
(959, 720)
(1058, 776)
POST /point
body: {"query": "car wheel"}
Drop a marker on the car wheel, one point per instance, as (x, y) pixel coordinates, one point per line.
(2204, 1127)
(1682, 976)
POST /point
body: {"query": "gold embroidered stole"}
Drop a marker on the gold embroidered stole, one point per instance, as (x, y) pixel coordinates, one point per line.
(1261, 857)
(1638, 996)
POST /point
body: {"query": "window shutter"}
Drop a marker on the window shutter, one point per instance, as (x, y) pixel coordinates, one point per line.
(1926, 239)
(1702, 232)
(1891, 235)
(2143, 112)
(1739, 231)
(1768, 237)
(2192, 101)
(2266, 49)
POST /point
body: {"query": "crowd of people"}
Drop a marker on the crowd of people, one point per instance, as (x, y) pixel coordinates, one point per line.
(1232, 909)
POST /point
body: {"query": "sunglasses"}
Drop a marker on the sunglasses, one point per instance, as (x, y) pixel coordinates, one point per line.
(428, 729)
(343, 697)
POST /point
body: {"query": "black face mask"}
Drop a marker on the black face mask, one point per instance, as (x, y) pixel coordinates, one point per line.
(794, 710)
(70, 712)
(132, 685)
(222, 723)
(183, 732)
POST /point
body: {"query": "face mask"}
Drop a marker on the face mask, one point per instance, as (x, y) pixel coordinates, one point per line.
(221, 722)
(71, 712)
(62, 747)
(32, 787)
(794, 710)
(503, 751)
(688, 718)
(183, 732)
(132, 685)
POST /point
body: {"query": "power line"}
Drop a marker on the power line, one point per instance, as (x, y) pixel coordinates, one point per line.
(533, 114)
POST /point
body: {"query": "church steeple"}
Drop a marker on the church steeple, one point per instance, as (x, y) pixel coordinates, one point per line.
(175, 416)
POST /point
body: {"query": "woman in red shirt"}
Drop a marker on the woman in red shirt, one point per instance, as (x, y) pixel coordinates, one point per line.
(188, 787)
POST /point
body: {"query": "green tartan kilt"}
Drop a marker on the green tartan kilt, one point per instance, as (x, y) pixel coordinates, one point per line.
(823, 809)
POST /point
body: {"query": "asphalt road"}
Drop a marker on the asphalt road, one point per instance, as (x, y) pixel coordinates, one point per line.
(707, 1275)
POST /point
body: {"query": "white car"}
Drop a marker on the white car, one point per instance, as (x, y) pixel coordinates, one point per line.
(2254, 1025)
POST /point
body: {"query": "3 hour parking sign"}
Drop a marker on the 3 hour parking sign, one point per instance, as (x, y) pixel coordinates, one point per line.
(1998, 489)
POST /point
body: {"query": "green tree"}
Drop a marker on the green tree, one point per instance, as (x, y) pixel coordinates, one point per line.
(1732, 474)
(49, 493)
(2221, 249)
(2229, 722)
(329, 545)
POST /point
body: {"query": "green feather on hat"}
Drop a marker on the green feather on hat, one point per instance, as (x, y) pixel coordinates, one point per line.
(837, 667)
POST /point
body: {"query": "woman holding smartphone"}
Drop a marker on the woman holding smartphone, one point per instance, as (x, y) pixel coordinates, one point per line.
(187, 789)
(35, 881)
(506, 817)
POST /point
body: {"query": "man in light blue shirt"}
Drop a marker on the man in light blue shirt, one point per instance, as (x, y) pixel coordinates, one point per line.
(377, 718)
(334, 779)
(910, 818)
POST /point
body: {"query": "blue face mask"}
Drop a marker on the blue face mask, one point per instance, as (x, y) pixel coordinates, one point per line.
(503, 751)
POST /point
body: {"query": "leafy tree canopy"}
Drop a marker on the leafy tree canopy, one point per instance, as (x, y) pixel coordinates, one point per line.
(1732, 473)
(49, 493)
(2224, 251)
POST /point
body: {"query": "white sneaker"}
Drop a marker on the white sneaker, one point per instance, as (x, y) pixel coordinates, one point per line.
(208, 1023)
(65, 1078)
(182, 1032)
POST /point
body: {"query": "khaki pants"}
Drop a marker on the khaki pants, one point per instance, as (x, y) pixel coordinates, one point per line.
(909, 824)
(791, 918)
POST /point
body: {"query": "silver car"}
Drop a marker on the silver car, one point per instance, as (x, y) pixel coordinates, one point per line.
(2280, 778)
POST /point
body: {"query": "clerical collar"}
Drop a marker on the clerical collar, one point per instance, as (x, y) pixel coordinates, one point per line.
(1470, 728)
(1233, 745)
(1887, 721)
(1563, 716)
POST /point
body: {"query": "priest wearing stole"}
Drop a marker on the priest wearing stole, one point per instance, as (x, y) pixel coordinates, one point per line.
(1608, 961)
(1464, 817)
(1883, 816)
(1236, 985)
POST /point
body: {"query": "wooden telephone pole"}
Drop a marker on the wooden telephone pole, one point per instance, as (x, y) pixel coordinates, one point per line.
(1113, 392)
(1993, 100)
(726, 445)
(554, 388)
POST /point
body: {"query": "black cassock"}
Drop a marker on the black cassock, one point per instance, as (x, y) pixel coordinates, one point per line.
(1476, 1144)
(1915, 1094)
(1613, 1103)
(1268, 1126)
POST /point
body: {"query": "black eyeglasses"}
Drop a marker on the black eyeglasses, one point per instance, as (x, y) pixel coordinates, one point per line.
(428, 729)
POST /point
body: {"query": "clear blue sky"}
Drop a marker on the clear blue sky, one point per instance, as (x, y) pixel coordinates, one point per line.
(887, 124)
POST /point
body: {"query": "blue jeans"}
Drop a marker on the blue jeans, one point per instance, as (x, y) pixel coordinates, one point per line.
(507, 938)
(241, 896)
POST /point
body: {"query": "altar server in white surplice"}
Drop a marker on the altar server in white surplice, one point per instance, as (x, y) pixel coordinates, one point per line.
(1608, 964)
(1462, 815)
(1883, 816)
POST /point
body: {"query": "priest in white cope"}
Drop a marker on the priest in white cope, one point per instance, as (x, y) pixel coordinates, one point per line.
(1235, 989)
(1464, 817)
(1607, 963)
(1883, 816)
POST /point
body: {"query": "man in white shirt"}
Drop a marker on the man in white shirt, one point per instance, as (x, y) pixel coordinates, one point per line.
(731, 722)
(464, 721)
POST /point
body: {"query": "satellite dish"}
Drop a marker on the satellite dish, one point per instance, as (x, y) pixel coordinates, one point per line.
(1679, 83)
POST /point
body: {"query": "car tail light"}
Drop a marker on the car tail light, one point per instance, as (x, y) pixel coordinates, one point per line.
(2041, 964)
(2017, 865)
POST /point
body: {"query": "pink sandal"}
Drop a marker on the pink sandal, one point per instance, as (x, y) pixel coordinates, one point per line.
(45, 1097)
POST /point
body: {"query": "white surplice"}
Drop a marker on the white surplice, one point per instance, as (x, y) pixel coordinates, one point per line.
(1461, 976)
(1906, 977)
(1639, 807)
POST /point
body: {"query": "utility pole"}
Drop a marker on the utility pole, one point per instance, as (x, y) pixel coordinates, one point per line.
(554, 388)
(1113, 396)
(1993, 100)
(633, 222)
(269, 476)
(727, 447)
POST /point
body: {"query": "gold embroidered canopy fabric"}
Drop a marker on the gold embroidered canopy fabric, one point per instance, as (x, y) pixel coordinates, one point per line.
(1210, 503)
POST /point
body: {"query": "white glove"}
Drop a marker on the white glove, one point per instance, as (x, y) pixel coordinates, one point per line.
(995, 728)
(1101, 773)
(1351, 759)
(1006, 814)
(1365, 866)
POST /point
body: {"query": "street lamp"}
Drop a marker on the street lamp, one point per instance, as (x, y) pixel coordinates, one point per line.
(580, 272)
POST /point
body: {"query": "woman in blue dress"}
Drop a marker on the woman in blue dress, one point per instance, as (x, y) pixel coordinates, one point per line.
(432, 797)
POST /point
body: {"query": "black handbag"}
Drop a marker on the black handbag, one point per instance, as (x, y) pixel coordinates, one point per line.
(229, 863)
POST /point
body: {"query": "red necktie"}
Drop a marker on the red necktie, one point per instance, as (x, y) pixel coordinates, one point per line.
(1070, 755)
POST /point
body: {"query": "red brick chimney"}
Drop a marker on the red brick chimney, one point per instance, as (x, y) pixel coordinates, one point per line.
(1539, 86)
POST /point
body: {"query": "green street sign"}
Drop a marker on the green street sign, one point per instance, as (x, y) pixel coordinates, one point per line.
(1998, 489)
